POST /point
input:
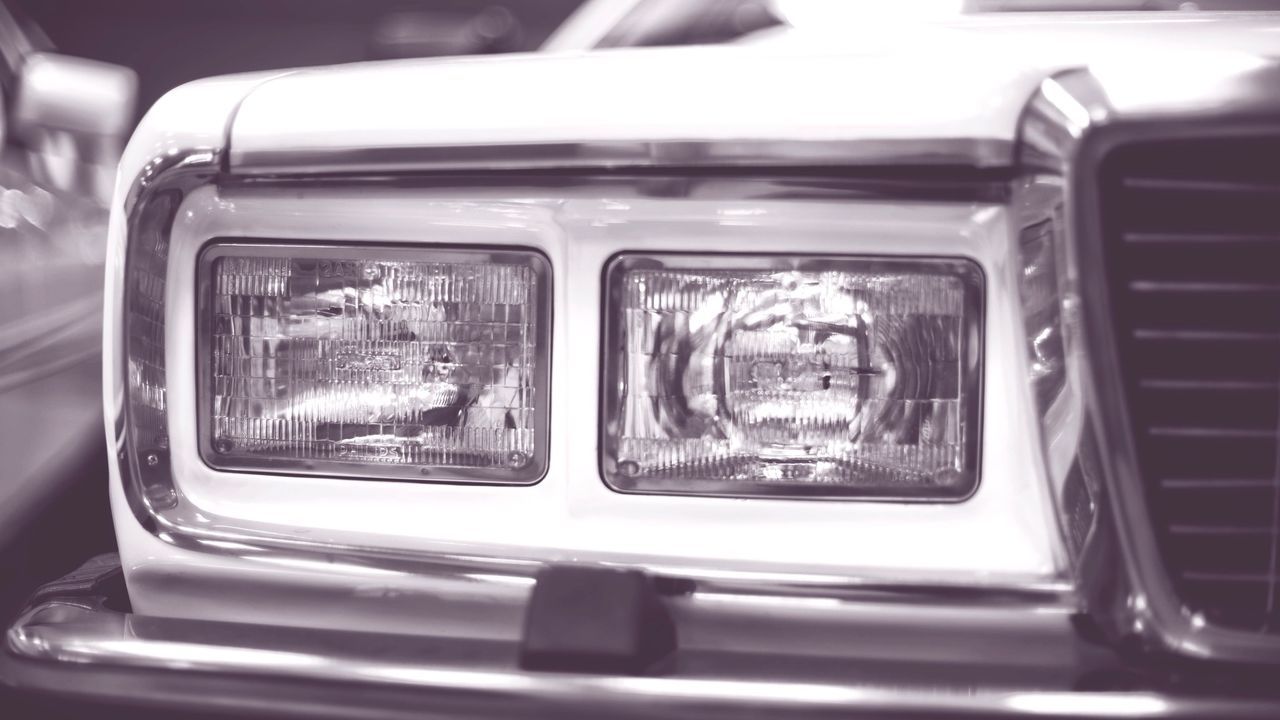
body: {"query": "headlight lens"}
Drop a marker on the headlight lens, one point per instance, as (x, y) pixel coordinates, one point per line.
(821, 376)
(375, 361)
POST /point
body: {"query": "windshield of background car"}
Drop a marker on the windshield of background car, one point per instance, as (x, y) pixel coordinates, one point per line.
(701, 22)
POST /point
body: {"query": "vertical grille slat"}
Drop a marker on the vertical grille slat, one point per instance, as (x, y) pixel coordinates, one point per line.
(1192, 245)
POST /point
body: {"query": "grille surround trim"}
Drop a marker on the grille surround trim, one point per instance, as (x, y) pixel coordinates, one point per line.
(1068, 129)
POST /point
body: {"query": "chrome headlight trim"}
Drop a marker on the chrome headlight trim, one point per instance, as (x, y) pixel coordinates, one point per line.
(635, 154)
(1069, 126)
(147, 475)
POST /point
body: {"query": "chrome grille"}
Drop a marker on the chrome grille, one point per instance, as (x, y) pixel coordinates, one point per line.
(1192, 237)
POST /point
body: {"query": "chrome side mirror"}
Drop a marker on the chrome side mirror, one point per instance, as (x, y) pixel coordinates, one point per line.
(73, 115)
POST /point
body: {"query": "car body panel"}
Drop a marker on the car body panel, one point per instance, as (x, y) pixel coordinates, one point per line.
(867, 594)
(964, 79)
(311, 121)
(1007, 527)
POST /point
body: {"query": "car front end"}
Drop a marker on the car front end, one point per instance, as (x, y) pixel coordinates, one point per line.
(791, 384)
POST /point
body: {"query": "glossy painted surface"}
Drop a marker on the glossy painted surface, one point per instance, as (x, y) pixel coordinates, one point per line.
(964, 79)
(1006, 527)
(279, 537)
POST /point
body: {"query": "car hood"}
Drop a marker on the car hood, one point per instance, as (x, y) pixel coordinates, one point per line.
(965, 78)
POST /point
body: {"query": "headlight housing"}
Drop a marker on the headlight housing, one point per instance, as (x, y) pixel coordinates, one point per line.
(376, 361)
(809, 376)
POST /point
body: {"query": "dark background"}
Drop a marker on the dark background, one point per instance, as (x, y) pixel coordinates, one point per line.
(170, 42)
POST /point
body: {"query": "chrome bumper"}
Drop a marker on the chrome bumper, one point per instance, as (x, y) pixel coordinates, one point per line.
(79, 640)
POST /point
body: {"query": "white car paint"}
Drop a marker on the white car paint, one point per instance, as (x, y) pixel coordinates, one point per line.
(950, 81)
(964, 79)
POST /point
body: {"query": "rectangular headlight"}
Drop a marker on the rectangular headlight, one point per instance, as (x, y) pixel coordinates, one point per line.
(375, 361)
(792, 376)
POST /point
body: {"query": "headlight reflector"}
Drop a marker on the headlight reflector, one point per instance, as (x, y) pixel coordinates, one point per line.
(378, 361)
(810, 376)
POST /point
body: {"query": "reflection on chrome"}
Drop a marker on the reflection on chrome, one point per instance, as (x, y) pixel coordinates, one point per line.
(1070, 129)
(1084, 706)
(84, 633)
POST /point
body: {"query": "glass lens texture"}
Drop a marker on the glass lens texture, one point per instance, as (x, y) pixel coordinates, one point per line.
(371, 361)
(854, 379)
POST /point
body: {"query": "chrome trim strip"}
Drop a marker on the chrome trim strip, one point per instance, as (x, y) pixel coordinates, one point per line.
(1068, 127)
(182, 170)
(982, 153)
(162, 509)
(149, 486)
(80, 634)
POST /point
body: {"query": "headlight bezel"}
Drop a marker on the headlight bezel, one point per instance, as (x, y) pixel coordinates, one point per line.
(571, 507)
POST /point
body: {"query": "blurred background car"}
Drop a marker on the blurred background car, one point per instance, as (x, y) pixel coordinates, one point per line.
(65, 122)
(170, 42)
